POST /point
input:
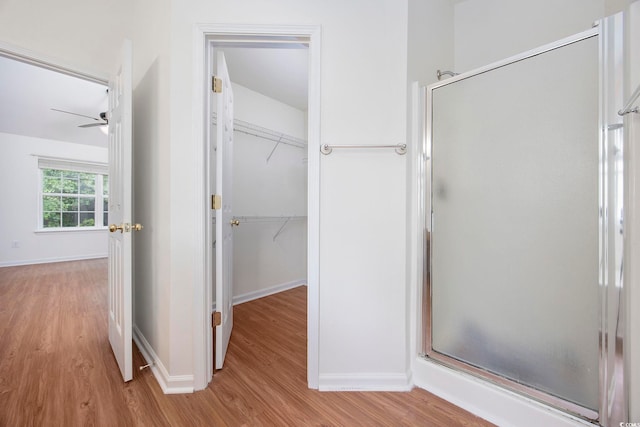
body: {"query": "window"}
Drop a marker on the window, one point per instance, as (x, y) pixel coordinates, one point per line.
(73, 195)
(105, 200)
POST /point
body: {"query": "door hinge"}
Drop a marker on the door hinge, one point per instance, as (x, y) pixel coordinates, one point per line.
(216, 202)
(216, 319)
(216, 84)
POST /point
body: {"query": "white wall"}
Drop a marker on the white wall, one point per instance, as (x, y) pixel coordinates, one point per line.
(151, 181)
(19, 220)
(489, 30)
(262, 265)
(258, 184)
(362, 254)
(430, 39)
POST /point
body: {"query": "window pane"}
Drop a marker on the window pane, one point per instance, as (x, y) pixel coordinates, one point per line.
(69, 219)
(70, 184)
(70, 175)
(51, 219)
(87, 219)
(70, 204)
(105, 218)
(87, 204)
(51, 173)
(69, 198)
(88, 185)
(105, 204)
(52, 184)
(51, 203)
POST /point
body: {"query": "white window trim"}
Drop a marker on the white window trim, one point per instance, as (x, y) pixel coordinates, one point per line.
(45, 162)
(97, 168)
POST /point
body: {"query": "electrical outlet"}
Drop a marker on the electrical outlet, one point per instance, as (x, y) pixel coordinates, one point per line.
(15, 244)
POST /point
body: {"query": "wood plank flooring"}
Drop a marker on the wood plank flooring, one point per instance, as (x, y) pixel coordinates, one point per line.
(57, 369)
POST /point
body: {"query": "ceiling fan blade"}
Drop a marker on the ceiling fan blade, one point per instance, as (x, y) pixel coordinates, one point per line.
(76, 114)
(91, 125)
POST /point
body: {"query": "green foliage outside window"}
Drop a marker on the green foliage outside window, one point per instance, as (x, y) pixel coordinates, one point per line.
(69, 198)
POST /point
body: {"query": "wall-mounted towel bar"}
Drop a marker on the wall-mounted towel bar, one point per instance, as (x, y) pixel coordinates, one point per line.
(628, 107)
(400, 148)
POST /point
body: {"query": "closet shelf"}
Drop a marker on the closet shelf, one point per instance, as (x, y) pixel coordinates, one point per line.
(262, 132)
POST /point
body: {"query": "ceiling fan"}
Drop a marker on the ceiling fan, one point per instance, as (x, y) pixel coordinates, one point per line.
(101, 121)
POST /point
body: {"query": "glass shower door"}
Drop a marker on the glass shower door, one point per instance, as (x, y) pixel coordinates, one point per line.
(515, 161)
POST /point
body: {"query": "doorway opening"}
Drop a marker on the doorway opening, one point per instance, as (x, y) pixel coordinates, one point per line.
(274, 219)
(54, 148)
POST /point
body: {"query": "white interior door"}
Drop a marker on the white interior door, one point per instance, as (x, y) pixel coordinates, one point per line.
(224, 216)
(120, 148)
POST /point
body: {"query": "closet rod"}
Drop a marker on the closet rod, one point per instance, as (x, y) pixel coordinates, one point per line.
(400, 148)
(262, 132)
(259, 218)
(628, 107)
(285, 219)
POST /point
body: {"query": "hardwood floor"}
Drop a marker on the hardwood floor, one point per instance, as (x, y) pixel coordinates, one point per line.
(57, 369)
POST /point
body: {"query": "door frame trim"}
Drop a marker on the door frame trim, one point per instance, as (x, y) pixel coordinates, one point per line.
(202, 345)
(50, 63)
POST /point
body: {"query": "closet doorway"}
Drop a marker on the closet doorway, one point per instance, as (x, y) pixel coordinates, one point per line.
(261, 224)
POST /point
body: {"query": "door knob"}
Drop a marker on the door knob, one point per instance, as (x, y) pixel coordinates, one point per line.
(125, 227)
(113, 228)
(235, 222)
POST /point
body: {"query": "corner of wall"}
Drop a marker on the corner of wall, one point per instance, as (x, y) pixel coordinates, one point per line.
(170, 384)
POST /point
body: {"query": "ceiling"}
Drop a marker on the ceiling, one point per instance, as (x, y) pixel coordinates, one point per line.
(28, 93)
(279, 73)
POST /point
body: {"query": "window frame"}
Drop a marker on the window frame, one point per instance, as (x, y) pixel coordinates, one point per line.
(99, 170)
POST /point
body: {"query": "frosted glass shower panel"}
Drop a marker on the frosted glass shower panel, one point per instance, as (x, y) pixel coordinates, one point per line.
(514, 267)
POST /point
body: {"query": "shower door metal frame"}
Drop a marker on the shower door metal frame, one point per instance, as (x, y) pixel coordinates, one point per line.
(604, 30)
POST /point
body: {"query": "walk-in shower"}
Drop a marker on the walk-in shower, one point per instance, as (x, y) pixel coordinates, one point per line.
(524, 222)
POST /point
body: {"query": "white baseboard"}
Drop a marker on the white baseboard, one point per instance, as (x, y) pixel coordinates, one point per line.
(170, 384)
(49, 260)
(365, 382)
(495, 404)
(250, 296)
